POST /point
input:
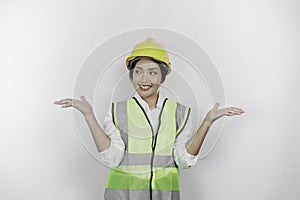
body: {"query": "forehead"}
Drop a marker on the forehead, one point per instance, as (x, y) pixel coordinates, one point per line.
(147, 63)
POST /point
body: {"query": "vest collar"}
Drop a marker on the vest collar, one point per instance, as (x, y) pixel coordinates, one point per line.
(145, 106)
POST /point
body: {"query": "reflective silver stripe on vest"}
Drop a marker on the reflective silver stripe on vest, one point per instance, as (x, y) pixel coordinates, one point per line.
(140, 195)
(121, 107)
(180, 117)
(145, 159)
(180, 111)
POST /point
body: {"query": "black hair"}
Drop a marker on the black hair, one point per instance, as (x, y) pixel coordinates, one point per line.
(162, 66)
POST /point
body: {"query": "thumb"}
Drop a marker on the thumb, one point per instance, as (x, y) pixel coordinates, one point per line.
(83, 98)
(216, 105)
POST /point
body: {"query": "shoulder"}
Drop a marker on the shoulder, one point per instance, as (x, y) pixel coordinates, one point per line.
(122, 105)
(121, 102)
(178, 104)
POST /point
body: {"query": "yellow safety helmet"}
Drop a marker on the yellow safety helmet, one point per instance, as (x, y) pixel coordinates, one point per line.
(150, 48)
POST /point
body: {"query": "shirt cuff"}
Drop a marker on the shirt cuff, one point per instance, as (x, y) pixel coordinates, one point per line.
(191, 160)
(183, 159)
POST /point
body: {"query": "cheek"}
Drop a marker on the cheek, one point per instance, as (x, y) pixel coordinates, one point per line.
(135, 79)
(157, 79)
(134, 82)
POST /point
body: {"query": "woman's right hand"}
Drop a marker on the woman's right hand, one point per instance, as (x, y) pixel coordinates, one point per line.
(82, 105)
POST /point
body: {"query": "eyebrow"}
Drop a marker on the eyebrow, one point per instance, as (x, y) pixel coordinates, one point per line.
(153, 68)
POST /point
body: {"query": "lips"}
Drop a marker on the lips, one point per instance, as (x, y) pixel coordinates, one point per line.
(145, 87)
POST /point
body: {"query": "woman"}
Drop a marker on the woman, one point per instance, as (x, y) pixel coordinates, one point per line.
(146, 138)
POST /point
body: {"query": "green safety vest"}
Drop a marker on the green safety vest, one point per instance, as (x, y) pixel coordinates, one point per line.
(148, 170)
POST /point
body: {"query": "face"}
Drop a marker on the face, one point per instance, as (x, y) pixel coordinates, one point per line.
(146, 78)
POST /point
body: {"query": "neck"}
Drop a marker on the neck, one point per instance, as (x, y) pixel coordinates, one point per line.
(151, 101)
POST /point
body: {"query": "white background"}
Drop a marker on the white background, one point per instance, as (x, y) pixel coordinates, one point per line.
(254, 44)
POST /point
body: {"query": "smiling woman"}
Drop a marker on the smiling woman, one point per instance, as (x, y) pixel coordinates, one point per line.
(148, 137)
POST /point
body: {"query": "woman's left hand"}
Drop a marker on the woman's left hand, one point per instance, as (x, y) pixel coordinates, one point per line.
(216, 113)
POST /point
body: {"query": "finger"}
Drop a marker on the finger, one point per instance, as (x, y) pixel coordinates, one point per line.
(232, 112)
(237, 109)
(57, 102)
(67, 104)
(60, 102)
(236, 113)
(67, 101)
(63, 101)
(83, 98)
(234, 109)
(240, 110)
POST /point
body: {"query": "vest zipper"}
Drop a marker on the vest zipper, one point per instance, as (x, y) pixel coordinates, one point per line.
(154, 137)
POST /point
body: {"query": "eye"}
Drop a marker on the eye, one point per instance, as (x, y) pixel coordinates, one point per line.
(137, 71)
(153, 73)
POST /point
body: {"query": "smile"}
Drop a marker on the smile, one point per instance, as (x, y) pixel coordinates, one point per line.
(145, 87)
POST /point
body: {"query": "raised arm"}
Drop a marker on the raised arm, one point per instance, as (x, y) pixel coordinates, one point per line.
(194, 144)
(102, 141)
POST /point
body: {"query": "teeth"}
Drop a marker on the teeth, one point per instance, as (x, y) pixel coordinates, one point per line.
(145, 86)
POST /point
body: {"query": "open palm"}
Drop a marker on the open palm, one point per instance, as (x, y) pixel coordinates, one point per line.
(216, 113)
(82, 105)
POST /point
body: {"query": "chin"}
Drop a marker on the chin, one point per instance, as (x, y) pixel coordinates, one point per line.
(146, 94)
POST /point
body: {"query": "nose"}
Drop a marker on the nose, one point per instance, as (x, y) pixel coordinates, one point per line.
(145, 77)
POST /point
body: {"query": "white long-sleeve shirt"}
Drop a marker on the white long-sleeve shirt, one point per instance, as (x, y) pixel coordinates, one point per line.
(113, 155)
